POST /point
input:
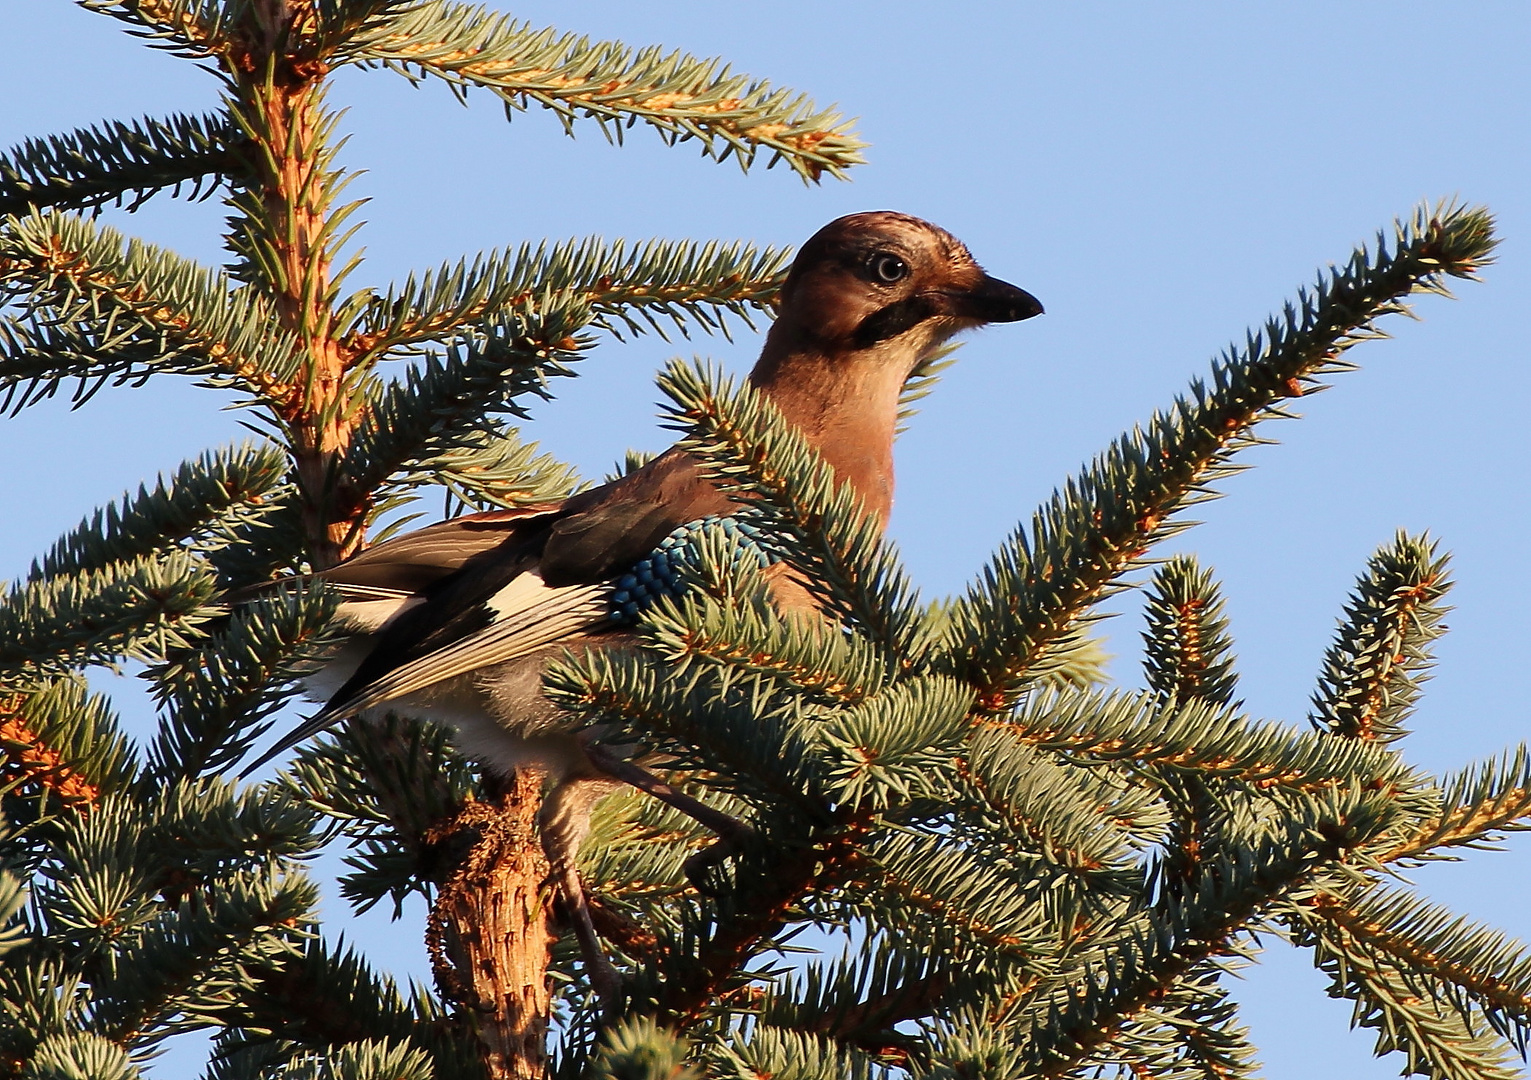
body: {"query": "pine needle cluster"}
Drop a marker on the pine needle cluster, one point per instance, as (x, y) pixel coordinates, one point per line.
(1028, 874)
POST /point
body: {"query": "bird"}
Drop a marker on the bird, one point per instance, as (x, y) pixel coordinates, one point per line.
(455, 622)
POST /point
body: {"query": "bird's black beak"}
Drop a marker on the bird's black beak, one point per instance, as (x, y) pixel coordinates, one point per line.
(991, 301)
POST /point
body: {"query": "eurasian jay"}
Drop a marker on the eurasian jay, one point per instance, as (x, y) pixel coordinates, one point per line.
(455, 622)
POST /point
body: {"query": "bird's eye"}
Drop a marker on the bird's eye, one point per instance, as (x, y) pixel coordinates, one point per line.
(885, 268)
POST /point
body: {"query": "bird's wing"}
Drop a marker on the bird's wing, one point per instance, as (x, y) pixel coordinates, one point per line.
(487, 589)
(404, 566)
(412, 563)
(607, 539)
(478, 615)
(527, 615)
(527, 577)
(531, 615)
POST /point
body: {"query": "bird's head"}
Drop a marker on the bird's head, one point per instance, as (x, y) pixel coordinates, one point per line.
(868, 297)
(887, 287)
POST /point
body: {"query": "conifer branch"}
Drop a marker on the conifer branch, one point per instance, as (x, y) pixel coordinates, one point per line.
(1187, 651)
(1477, 804)
(328, 25)
(859, 1000)
(217, 696)
(960, 902)
(1478, 968)
(106, 163)
(922, 380)
(368, 1059)
(1201, 739)
(322, 1001)
(748, 450)
(919, 963)
(388, 786)
(267, 545)
(59, 735)
(790, 1055)
(1075, 1015)
(1191, 1033)
(1188, 656)
(637, 1046)
(897, 746)
(151, 914)
(191, 28)
(81, 1053)
(288, 232)
(139, 609)
(446, 405)
(1382, 652)
(739, 728)
(1437, 1038)
(682, 282)
(183, 969)
(972, 1044)
(1100, 524)
(732, 725)
(500, 471)
(99, 308)
(1074, 661)
(13, 897)
(202, 502)
(682, 97)
(28, 759)
(715, 944)
(199, 827)
(44, 992)
(636, 853)
(637, 847)
(726, 618)
(1041, 805)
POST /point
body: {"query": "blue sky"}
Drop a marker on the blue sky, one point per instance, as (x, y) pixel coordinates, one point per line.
(1161, 176)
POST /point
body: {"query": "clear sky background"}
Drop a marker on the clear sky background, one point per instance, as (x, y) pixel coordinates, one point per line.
(1161, 176)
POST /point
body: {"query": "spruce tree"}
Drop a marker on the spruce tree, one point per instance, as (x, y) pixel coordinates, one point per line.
(1031, 874)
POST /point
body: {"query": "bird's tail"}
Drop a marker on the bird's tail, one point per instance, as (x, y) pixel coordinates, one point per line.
(317, 724)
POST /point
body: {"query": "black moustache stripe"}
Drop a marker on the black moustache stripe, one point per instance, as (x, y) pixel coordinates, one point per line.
(891, 321)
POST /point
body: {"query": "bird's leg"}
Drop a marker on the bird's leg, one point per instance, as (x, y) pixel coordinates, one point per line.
(730, 829)
(564, 820)
(603, 977)
(732, 833)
